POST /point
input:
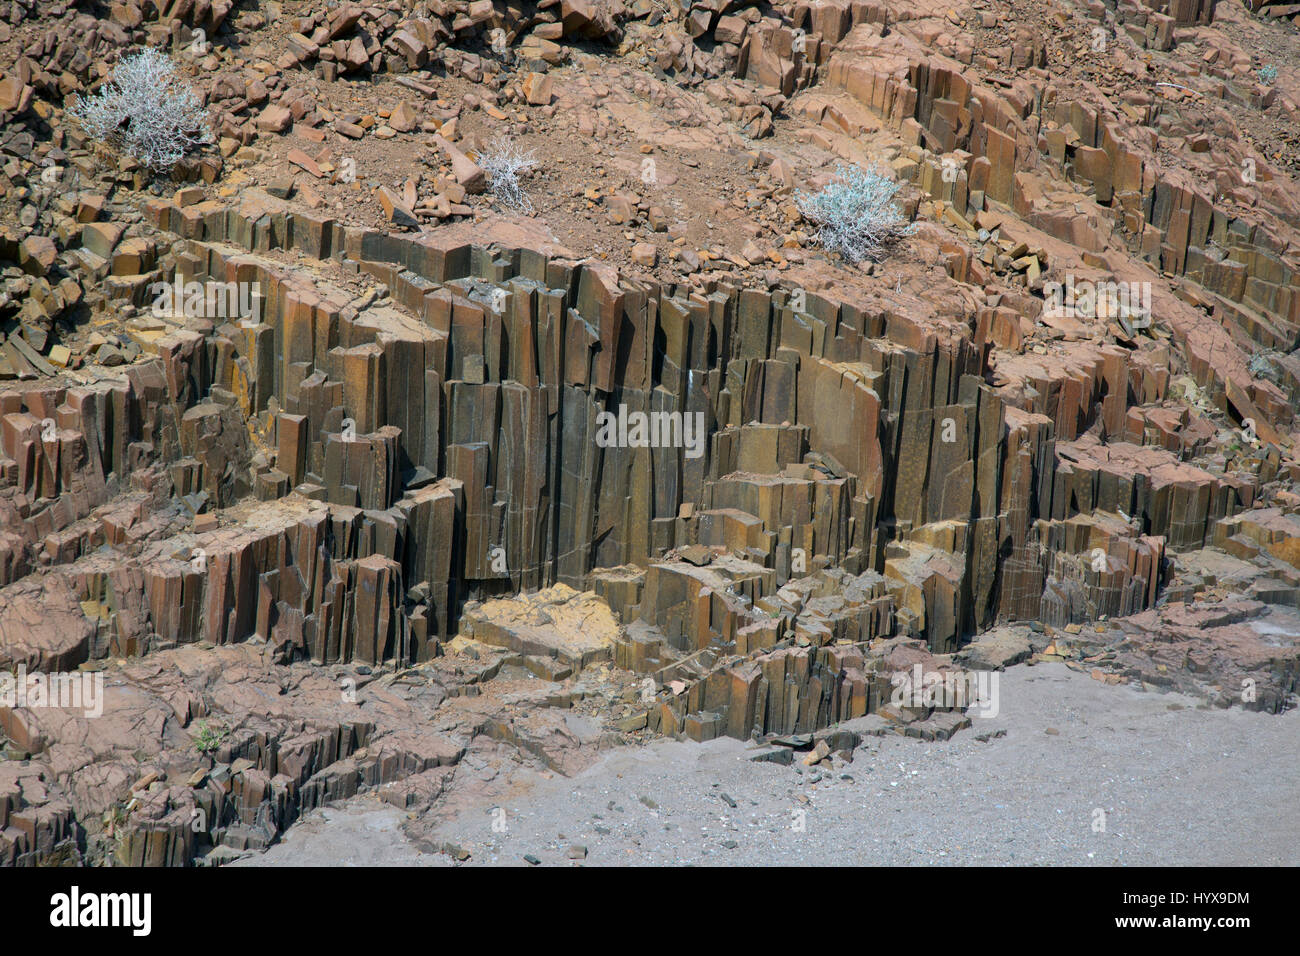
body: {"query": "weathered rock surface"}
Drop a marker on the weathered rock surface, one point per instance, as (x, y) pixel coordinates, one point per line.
(461, 490)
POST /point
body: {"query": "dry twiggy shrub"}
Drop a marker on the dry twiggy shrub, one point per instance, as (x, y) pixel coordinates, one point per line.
(146, 110)
(503, 161)
(855, 213)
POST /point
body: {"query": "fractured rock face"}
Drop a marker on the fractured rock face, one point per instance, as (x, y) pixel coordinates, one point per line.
(900, 460)
(407, 498)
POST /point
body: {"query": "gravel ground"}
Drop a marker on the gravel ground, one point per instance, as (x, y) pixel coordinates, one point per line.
(360, 832)
(1178, 786)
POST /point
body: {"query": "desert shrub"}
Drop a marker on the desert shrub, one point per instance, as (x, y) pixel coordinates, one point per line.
(855, 213)
(1267, 74)
(503, 161)
(146, 110)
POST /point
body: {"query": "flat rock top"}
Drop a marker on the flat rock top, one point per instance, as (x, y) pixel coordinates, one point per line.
(42, 625)
(1123, 458)
(558, 619)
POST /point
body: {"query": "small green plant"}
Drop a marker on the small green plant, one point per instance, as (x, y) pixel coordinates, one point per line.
(209, 738)
(1267, 74)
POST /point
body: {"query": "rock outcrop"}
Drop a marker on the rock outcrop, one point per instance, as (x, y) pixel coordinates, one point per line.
(338, 471)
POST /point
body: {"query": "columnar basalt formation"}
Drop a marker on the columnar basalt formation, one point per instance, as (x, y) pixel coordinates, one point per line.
(829, 437)
(471, 466)
(338, 478)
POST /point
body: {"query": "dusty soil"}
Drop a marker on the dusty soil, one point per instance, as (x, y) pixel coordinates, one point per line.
(1179, 784)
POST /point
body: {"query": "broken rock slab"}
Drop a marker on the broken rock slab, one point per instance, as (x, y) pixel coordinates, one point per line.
(576, 627)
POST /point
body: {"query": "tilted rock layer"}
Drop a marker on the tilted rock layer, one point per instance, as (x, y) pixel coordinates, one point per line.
(452, 490)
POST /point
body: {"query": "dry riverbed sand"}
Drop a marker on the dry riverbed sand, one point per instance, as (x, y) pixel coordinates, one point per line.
(1178, 785)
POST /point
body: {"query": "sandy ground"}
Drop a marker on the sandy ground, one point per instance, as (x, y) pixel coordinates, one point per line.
(1178, 785)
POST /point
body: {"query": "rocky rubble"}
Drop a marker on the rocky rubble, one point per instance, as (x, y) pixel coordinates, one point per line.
(645, 460)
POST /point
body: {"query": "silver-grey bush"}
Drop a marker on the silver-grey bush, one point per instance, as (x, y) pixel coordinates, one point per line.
(855, 213)
(503, 161)
(146, 110)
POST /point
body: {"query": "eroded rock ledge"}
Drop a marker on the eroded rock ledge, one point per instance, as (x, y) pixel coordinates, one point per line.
(828, 535)
(369, 537)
